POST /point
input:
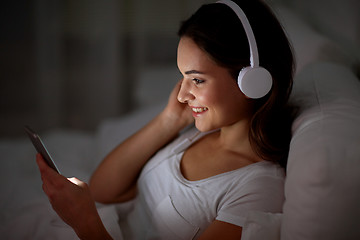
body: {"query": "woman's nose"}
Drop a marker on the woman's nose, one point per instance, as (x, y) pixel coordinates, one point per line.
(185, 94)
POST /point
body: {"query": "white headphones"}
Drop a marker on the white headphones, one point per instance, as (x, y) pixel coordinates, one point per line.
(254, 81)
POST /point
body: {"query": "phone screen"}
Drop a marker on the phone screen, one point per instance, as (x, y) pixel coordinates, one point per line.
(40, 148)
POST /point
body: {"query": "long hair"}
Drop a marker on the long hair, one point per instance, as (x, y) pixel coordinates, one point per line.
(217, 30)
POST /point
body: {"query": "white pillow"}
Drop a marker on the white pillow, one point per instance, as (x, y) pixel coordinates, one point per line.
(322, 188)
(339, 20)
(309, 45)
(112, 132)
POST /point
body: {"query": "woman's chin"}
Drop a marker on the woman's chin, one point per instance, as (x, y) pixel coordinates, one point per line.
(203, 127)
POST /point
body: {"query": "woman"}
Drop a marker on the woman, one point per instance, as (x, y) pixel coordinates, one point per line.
(202, 183)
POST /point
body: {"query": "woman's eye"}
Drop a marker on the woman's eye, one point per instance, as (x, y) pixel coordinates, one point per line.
(197, 81)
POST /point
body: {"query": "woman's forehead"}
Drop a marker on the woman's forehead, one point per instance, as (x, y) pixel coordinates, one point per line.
(191, 58)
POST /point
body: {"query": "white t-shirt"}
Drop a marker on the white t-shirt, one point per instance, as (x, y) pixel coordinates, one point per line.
(169, 206)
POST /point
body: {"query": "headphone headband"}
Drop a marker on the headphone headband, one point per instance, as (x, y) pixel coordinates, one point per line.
(254, 81)
(254, 56)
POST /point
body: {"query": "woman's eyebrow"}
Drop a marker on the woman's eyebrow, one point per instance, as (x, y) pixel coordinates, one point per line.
(193, 72)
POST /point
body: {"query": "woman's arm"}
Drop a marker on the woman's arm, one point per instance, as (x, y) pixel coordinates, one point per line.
(115, 178)
(221, 230)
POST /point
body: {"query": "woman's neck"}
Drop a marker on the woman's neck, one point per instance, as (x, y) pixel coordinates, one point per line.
(235, 138)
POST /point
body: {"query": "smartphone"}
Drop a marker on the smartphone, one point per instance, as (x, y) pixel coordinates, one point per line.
(40, 148)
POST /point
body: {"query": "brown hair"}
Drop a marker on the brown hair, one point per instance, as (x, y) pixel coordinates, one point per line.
(217, 30)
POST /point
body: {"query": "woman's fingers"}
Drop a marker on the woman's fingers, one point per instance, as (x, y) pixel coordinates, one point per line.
(44, 168)
(52, 181)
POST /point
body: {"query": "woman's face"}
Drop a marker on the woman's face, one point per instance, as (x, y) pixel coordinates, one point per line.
(209, 90)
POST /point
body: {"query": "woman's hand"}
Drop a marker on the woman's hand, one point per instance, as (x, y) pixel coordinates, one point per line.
(72, 201)
(177, 113)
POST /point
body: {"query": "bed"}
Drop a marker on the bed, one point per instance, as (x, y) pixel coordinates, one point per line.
(322, 186)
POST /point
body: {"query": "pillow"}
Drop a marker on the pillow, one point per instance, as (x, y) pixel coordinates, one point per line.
(340, 20)
(113, 131)
(309, 45)
(322, 188)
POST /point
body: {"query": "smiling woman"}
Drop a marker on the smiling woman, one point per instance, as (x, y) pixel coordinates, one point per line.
(204, 182)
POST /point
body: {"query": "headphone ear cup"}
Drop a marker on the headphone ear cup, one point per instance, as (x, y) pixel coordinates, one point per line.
(255, 82)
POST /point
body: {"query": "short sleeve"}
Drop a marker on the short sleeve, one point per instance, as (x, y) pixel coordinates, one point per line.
(261, 194)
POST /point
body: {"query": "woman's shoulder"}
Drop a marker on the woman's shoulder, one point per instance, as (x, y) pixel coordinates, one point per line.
(267, 168)
(264, 171)
(254, 178)
(259, 180)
